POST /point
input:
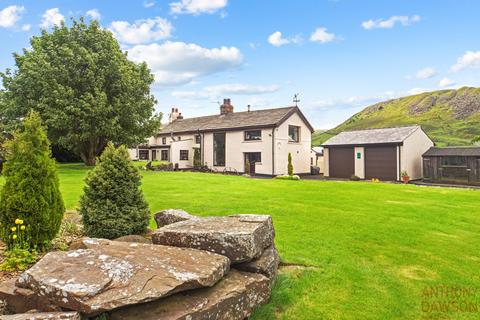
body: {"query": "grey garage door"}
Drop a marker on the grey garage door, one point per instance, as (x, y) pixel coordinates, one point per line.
(381, 163)
(341, 162)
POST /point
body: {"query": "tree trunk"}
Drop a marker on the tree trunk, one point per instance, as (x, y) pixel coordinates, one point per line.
(91, 149)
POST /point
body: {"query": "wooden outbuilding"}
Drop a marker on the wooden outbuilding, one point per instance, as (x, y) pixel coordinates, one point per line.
(460, 165)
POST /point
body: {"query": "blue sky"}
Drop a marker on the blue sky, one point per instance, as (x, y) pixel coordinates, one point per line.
(339, 55)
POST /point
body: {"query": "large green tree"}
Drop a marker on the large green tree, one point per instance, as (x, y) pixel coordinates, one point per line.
(84, 87)
(31, 190)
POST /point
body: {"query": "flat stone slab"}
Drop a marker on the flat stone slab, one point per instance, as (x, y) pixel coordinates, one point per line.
(267, 264)
(169, 216)
(110, 274)
(20, 300)
(240, 238)
(233, 298)
(43, 316)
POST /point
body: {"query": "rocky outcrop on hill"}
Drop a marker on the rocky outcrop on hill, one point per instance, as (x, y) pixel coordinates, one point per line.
(190, 278)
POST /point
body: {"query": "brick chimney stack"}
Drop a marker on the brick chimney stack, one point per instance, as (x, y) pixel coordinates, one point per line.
(226, 107)
(174, 115)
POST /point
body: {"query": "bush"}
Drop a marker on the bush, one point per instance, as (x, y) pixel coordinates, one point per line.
(354, 178)
(31, 191)
(113, 205)
(290, 165)
(18, 259)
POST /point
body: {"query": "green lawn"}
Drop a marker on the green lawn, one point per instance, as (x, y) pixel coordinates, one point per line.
(374, 247)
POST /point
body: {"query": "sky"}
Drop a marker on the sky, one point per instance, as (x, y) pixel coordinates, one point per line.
(338, 55)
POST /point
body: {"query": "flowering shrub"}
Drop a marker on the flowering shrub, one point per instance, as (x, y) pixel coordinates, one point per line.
(18, 256)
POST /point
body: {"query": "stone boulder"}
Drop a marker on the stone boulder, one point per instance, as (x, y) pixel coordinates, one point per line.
(233, 298)
(43, 316)
(134, 238)
(20, 300)
(112, 274)
(240, 238)
(267, 264)
(169, 216)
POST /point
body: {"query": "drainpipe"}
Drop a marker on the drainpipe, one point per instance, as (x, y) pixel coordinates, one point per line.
(273, 151)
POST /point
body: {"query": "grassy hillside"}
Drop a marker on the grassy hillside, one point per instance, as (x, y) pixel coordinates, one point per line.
(450, 117)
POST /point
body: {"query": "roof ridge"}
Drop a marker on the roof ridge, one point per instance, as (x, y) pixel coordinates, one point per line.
(397, 127)
(240, 112)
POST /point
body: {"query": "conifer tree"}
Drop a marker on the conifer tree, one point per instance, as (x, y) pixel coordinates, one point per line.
(290, 165)
(113, 204)
(31, 191)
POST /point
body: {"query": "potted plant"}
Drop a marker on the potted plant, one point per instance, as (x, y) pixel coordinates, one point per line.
(405, 176)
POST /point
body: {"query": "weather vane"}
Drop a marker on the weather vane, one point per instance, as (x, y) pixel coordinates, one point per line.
(296, 100)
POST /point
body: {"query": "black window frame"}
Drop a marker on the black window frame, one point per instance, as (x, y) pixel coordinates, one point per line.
(198, 139)
(290, 139)
(164, 140)
(247, 137)
(162, 153)
(182, 155)
(219, 161)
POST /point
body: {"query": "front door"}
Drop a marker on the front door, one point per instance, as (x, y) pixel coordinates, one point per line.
(252, 158)
(154, 155)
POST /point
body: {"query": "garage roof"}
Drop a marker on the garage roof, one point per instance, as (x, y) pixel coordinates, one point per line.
(453, 151)
(372, 136)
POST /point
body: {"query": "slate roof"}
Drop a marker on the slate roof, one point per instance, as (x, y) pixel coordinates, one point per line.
(453, 151)
(231, 121)
(318, 150)
(372, 136)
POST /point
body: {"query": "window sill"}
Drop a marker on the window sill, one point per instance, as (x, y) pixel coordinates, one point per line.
(250, 141)
(294, 142)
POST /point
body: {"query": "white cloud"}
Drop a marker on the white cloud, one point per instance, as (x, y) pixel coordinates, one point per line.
(10, 15)
(424, 73)
(196, 7)
(415, 91)
(175, 63)
(142, 31)
(213, 92)
(94, 14)
(51, 17)
(26, 27)
(390, 22)
(148, 4)
(446, 82)
(470, 59)
(321, 35)
(354, 101)
(276, 39)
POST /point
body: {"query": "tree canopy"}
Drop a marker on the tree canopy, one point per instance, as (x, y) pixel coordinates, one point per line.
(84, 87)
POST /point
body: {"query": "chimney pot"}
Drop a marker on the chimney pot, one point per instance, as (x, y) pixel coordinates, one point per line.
(226, 107)
(248, 108)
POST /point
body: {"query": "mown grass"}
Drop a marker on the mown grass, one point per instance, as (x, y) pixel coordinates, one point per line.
(373, 248)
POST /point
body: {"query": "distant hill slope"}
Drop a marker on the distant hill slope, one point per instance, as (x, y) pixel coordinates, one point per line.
(449, 117)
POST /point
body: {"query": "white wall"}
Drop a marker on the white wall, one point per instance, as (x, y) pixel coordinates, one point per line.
(176, 146)
(300, 150)
(133, 153)
(359, 163)
(411, 153)
(326, 163)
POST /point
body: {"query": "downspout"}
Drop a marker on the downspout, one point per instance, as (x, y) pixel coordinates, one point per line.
(399, 171)
(273, 151)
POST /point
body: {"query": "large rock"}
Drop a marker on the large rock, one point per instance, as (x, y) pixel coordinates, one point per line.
(111, 274)
(241, 237)
(169, 216)
(20, 300)
(43, 316)
(135, 238)
(233, 298)
(267, 264)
